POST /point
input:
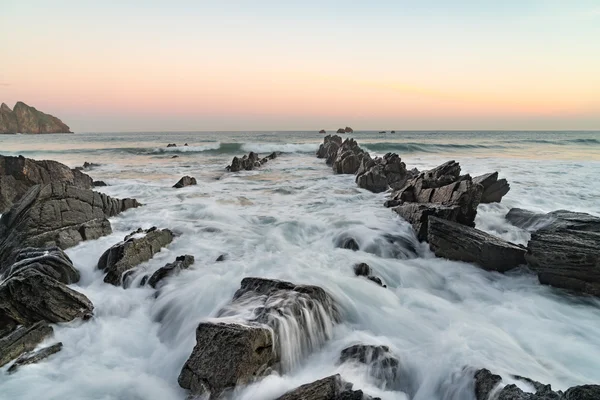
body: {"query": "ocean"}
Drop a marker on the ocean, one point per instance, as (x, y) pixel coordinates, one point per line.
(282, 221)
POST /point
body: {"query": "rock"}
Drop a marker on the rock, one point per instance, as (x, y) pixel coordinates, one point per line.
(35, 357)
(392, 131)
(380, 174)
(458, 242)
(51, 261)
(86, 166)
(348, 130)
(564, 253)
(25, 119)
(185, 181)
(381, 131)
(99, 184)
(222, 257)
(417, 214)
(59, 215)
(137, 247)
(348, 243)
(583, 392)
(348, 158)
(249, 162)
(330, 388)
(31, 296)
(185, 144)
(340, 130)
(19, 174)
(175, 156)
(171, 145)
(227, 355)
(364, 269)
(22, 340)
(329, 148)
(383, 366)
(493, 188)
(322, 131)
(174, 268)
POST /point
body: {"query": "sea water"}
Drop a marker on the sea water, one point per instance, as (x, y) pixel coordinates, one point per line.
(440, 318)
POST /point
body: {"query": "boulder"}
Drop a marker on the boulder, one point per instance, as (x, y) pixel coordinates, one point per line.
(59, 215)
(222, 257)
(137, 247)
(99, 184)
(382, 173)
(322, 131)
(340, 130)
(328, 150)
(493, 188)
(348, 130)
(19, 174)
(51, 261)
(185, 181)
(23, 340)
(348, 243)
(383, 366)
(31, 296)
(25, 119)
(458, 242)
(174, 268)
(330, 388)
(348, 158)
(227, 355)
(365, 270)
(564, 253)
(171, 145)
(35, 357)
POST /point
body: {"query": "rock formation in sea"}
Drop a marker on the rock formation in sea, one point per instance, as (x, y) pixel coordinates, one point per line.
(249, 162)
(185, 181)
(25, 119)
(329, 388)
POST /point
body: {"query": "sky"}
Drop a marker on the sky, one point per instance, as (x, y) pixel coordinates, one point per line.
(304, 65)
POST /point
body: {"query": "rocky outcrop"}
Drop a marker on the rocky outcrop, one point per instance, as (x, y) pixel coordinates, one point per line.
(328, 149)
(417, 214)
(227, 355)
(379, 174)
(22, 340)
(51, 261)
(348, 157)
(493, 188)
(458, 242)
(35, 357)
(564, 252)
(19, 174)
(185, 181)
(99, 184)
(330, 388)
(25, 119)
(137, 247)
(363, 269)
(383, 366)
(340, 130)
(249, 162)
(59, 215)
(322, 131)
(171, 269)
(487, 386)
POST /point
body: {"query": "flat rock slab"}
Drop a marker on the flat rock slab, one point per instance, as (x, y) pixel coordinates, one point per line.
(35, 357)
(23, 340)
(457, 242)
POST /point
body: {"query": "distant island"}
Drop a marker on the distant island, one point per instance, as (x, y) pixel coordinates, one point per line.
(25, 119)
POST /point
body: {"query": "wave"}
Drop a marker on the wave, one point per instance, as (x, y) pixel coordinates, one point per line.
(411, 147)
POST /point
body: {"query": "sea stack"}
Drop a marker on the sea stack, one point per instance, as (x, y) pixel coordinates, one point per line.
(25, 119)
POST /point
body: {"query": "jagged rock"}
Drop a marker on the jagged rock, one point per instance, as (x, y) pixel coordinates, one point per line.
(249, 162)
(51, 261)
(99, 184)
(417, 214)
(227, 355)
(381, 131)
(31, 296)
(22, 340)
(19, 174)
(458, 242)
(564, 253)
(328, 149)
(222, 257)
(383, 366)
(493, 188)
(185, 181)
(26, 119)
(322, 131)
(174, 268)
(171, 145)
(35, 357)
(381, 173)
(583, 392)
(330, 388)
(57, 214)
(348, 158)
(137, 247)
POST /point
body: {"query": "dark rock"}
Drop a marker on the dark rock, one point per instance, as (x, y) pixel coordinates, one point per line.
(564, 253)
(25, 119)
(417, 214)
(392, 131)
(377, 280)
(51, 261)
(185, 144)
(131, 252)
(222, 257)
(35, 357)
(175, 156)
(8, 120)
(458, 242)
(493, 188)
(99, 184)
(362, 269)
(583, 392)
(31, 296)
(348, 130)
(340, 130)
(174, 268)
(322, 131)
(383, 366)
(330, 388)
(348, 158)
(227, 355)
(381, 131)
(348, 243)
(381, 173)
(171, 145)
(19, 174)
(185, 181)
(22, 340)
(329, 148)
(249, 162)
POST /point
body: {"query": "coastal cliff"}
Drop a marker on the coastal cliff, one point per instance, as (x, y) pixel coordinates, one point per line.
(25, 119)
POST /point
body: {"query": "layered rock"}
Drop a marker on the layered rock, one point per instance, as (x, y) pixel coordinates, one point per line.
(19, 174)
(348, 157)
(493, 188)
(25, 119)
(379, 174)
(249, 162)
(35, 357)
(185, 181)
(171, 269)
(22, 340)
(458, 242)
(330, 388)
(51, 261)
(137, 247)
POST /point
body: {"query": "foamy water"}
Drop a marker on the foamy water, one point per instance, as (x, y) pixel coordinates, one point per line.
(282, 222)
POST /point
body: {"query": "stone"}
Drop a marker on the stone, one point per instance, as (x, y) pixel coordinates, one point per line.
(340, 130)
(365, 270)
(221, 258)
(185, 181)
(174, 268)
(35, 357)
(383, 366)
(99, 184)
(51, 261)
(25, 119)
(23, 340)
(136, 248)
(322, 131)
(249, 162)
(382, 173)
(583, 392)
(493, 188)
(348, 130)
(458, 242)
(171, 145)
(417, 214)
(348, 243)
(227, 355)
(31, 296)
(348, 158)
(328, 149)
(330, 388)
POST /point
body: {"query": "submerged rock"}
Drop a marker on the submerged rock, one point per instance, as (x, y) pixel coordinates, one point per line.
(454, 241)
(174, 268)
(137, 247)
(493, 188)
(222, 257)
(330, 388)
(227, 355)
(23, 340)
(383, 366)
(185, 181)
(35, 357)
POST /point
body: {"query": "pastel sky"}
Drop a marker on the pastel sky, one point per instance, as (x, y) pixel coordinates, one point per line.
(304, 65)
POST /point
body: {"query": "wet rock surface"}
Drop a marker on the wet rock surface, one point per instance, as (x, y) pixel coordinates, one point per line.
(330, 388)
(171, 269)
(365, 270)
(23, 340)
(185, 181)
(249, 162)
(137, 247)
(382, 364)
(51, 261)
(35, 357)
(493, 188)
